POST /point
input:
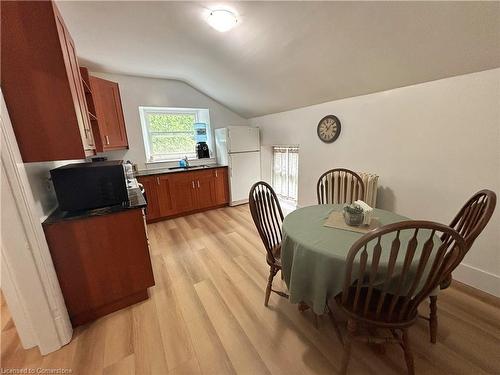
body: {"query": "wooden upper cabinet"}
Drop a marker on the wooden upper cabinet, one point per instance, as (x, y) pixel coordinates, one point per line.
(75, 81)
(41, 83)
(110, 126)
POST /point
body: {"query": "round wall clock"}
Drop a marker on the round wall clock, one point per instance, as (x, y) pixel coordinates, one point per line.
(329, 128)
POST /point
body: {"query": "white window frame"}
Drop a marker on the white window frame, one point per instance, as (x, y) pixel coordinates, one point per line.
(200, 114)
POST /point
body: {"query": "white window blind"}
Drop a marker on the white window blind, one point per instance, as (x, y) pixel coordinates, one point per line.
(286, 171)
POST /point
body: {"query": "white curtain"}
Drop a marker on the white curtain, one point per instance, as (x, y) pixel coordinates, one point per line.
(286, 171)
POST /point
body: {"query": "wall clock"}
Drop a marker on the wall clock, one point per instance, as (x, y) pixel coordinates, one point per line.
(329, 128)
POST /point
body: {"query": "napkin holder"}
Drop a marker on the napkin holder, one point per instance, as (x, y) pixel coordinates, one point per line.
(357, 213)
(353, 216)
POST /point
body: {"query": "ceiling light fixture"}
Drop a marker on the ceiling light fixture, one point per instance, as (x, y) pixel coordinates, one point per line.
(222, 20)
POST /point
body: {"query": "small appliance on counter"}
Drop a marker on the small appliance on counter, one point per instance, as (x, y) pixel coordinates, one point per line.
(85, 186)
(202, 151)
(129, 170)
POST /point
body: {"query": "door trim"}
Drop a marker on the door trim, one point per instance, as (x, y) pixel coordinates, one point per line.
(46, 317)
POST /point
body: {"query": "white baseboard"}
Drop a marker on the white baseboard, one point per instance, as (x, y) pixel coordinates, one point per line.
(477, 278)
(237, 203)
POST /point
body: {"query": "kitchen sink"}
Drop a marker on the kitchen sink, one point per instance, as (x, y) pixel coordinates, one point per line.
(189, 167)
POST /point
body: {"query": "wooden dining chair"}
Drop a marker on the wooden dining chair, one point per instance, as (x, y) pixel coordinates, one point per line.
(387, 278)
(469, 223)
(339, 185)
(268, 218)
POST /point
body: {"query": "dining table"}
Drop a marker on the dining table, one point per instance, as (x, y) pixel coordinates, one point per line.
(313, 256)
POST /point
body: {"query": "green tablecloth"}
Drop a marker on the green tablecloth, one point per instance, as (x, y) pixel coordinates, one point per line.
(313, 256)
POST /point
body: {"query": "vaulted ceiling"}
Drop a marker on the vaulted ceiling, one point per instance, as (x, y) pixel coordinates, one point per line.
(284, 55)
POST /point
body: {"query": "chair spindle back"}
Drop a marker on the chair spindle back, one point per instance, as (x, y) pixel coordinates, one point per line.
(474, 216)
(267, 216)
(340, 185)
(375, 289)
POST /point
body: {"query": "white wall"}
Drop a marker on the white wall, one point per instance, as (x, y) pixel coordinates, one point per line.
(433, 145)
(41, 186)
(140, 91)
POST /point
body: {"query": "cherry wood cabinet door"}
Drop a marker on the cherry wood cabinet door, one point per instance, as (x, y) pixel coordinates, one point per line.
(205, 189)
(84, 73)
(101, 262)
(183, 192)
(75, 80)
(109, 112)
(165, 195)
(40, 83)
(221, 186)
(150, 184)
(174, 194)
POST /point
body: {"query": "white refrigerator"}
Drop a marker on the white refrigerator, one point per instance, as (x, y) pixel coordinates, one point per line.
(238, 147)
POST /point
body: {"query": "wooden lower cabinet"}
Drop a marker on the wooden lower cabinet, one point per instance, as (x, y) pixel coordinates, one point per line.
(150, 186)
(175, 194)
(183, 194)
(164, 196)
(205, 189)
(221, 186)
(102, 262)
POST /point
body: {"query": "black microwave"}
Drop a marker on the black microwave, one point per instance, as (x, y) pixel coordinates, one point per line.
(84, 186)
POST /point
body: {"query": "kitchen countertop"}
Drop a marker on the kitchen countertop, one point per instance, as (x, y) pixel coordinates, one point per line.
(136, 200)
(152, 172)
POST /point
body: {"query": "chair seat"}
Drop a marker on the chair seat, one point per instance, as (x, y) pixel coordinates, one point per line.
(371, 315)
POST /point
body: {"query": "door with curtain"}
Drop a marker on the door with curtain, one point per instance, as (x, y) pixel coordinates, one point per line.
(286, 172)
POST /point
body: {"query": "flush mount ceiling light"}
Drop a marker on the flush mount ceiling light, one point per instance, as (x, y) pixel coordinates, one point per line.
(222, 20)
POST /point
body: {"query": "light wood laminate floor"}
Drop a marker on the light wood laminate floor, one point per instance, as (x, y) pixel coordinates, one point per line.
(206, 316)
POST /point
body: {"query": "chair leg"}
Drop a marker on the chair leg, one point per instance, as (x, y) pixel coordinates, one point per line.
(335, 325)
(408, 353)
(351, 330)
(433, 320)
(377, 348)
(272, 272)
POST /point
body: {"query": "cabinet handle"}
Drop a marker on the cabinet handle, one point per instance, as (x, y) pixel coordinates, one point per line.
(198, 184)
(158, 180)
(216, 173)
(192, 183)
(107, 139)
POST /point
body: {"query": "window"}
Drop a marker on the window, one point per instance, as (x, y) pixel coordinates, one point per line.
(286, 171)
(169, 133)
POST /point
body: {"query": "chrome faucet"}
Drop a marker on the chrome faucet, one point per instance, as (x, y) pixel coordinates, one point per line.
(186, 160)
